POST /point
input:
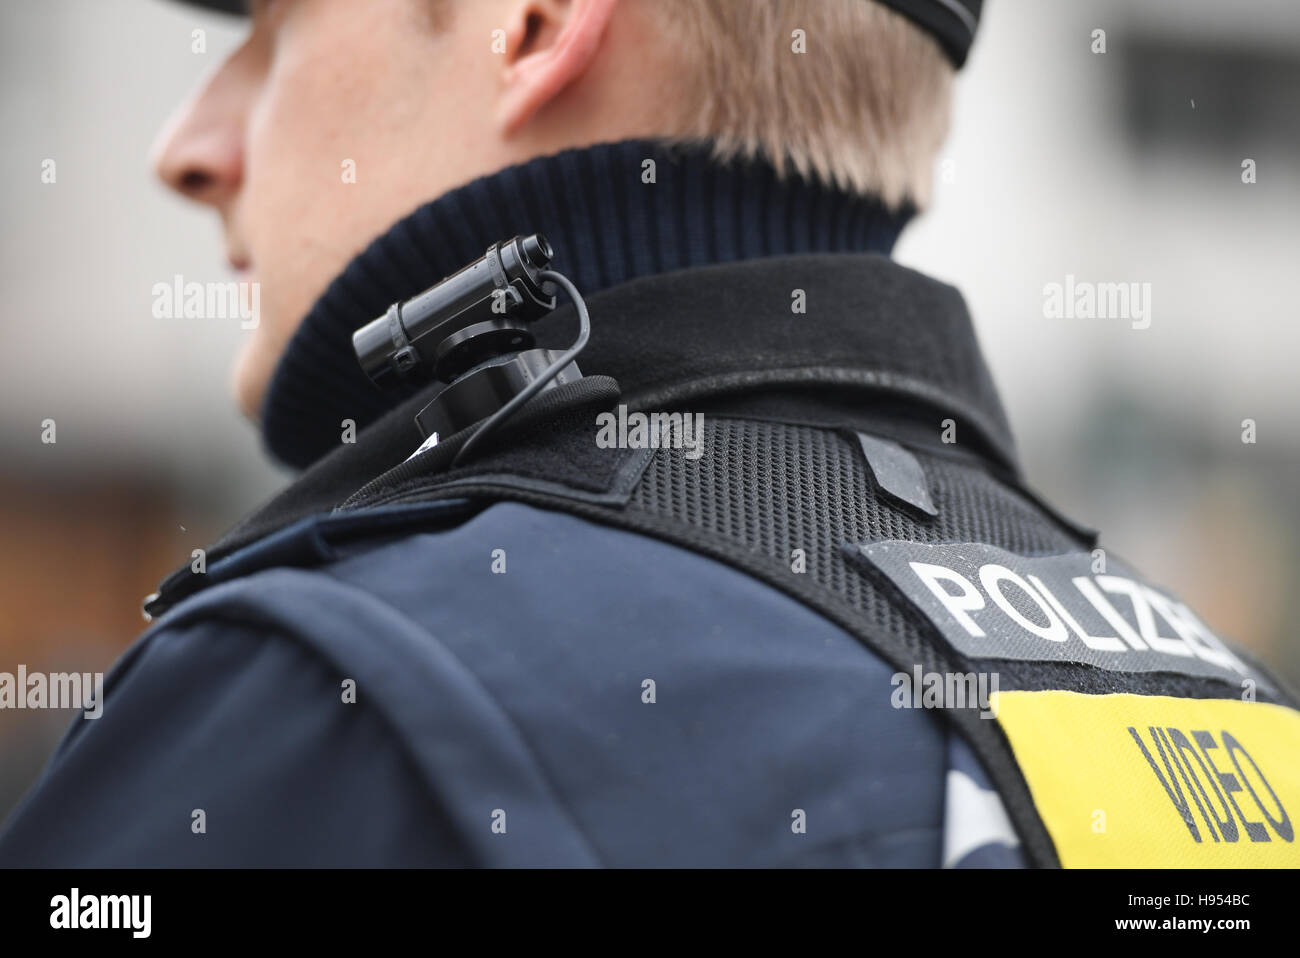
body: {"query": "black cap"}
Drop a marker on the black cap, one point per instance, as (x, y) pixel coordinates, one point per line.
(951, 22)
(224, 6)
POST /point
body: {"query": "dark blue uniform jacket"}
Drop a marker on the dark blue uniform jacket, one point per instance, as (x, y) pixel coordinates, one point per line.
(465, 681)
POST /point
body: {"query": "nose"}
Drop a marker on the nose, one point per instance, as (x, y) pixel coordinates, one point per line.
(199, 153)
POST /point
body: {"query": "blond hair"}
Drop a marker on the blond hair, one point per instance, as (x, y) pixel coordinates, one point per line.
(866, 106)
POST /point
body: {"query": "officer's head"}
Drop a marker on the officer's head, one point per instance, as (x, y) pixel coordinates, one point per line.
(335, 118)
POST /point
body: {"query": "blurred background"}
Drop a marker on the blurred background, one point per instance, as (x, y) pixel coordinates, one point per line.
(1123, 166)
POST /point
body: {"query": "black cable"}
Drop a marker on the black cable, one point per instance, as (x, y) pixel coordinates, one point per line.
(551, 371)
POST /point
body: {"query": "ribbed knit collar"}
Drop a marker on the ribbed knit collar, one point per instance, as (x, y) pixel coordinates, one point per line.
(612, 212)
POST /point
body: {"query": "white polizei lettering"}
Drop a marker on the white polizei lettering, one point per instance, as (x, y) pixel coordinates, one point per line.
(1103, 643)
(1118, 585)
(1112, 617)
(993, 575)
(1194, 637)
(970, 599)
(962, 596)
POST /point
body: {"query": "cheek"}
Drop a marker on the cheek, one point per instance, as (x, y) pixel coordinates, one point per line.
(349, 134)
(290, 211)
(318, 181)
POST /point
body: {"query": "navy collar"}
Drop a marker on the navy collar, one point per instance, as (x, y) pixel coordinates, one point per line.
(613, 212)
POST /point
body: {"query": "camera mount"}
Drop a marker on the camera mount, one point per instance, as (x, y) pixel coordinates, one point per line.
(470, 332)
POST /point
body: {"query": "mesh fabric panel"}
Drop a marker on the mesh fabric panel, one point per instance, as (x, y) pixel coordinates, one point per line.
(773, 488)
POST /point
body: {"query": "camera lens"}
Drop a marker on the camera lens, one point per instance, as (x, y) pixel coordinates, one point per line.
(537, 251)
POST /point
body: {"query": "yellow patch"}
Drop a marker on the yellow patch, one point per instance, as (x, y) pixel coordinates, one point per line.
(1154, 781)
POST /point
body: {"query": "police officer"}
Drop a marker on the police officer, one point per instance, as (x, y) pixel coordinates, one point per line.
(753, 579)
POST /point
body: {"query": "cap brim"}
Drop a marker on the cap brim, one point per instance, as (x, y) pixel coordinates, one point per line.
(237, 7)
